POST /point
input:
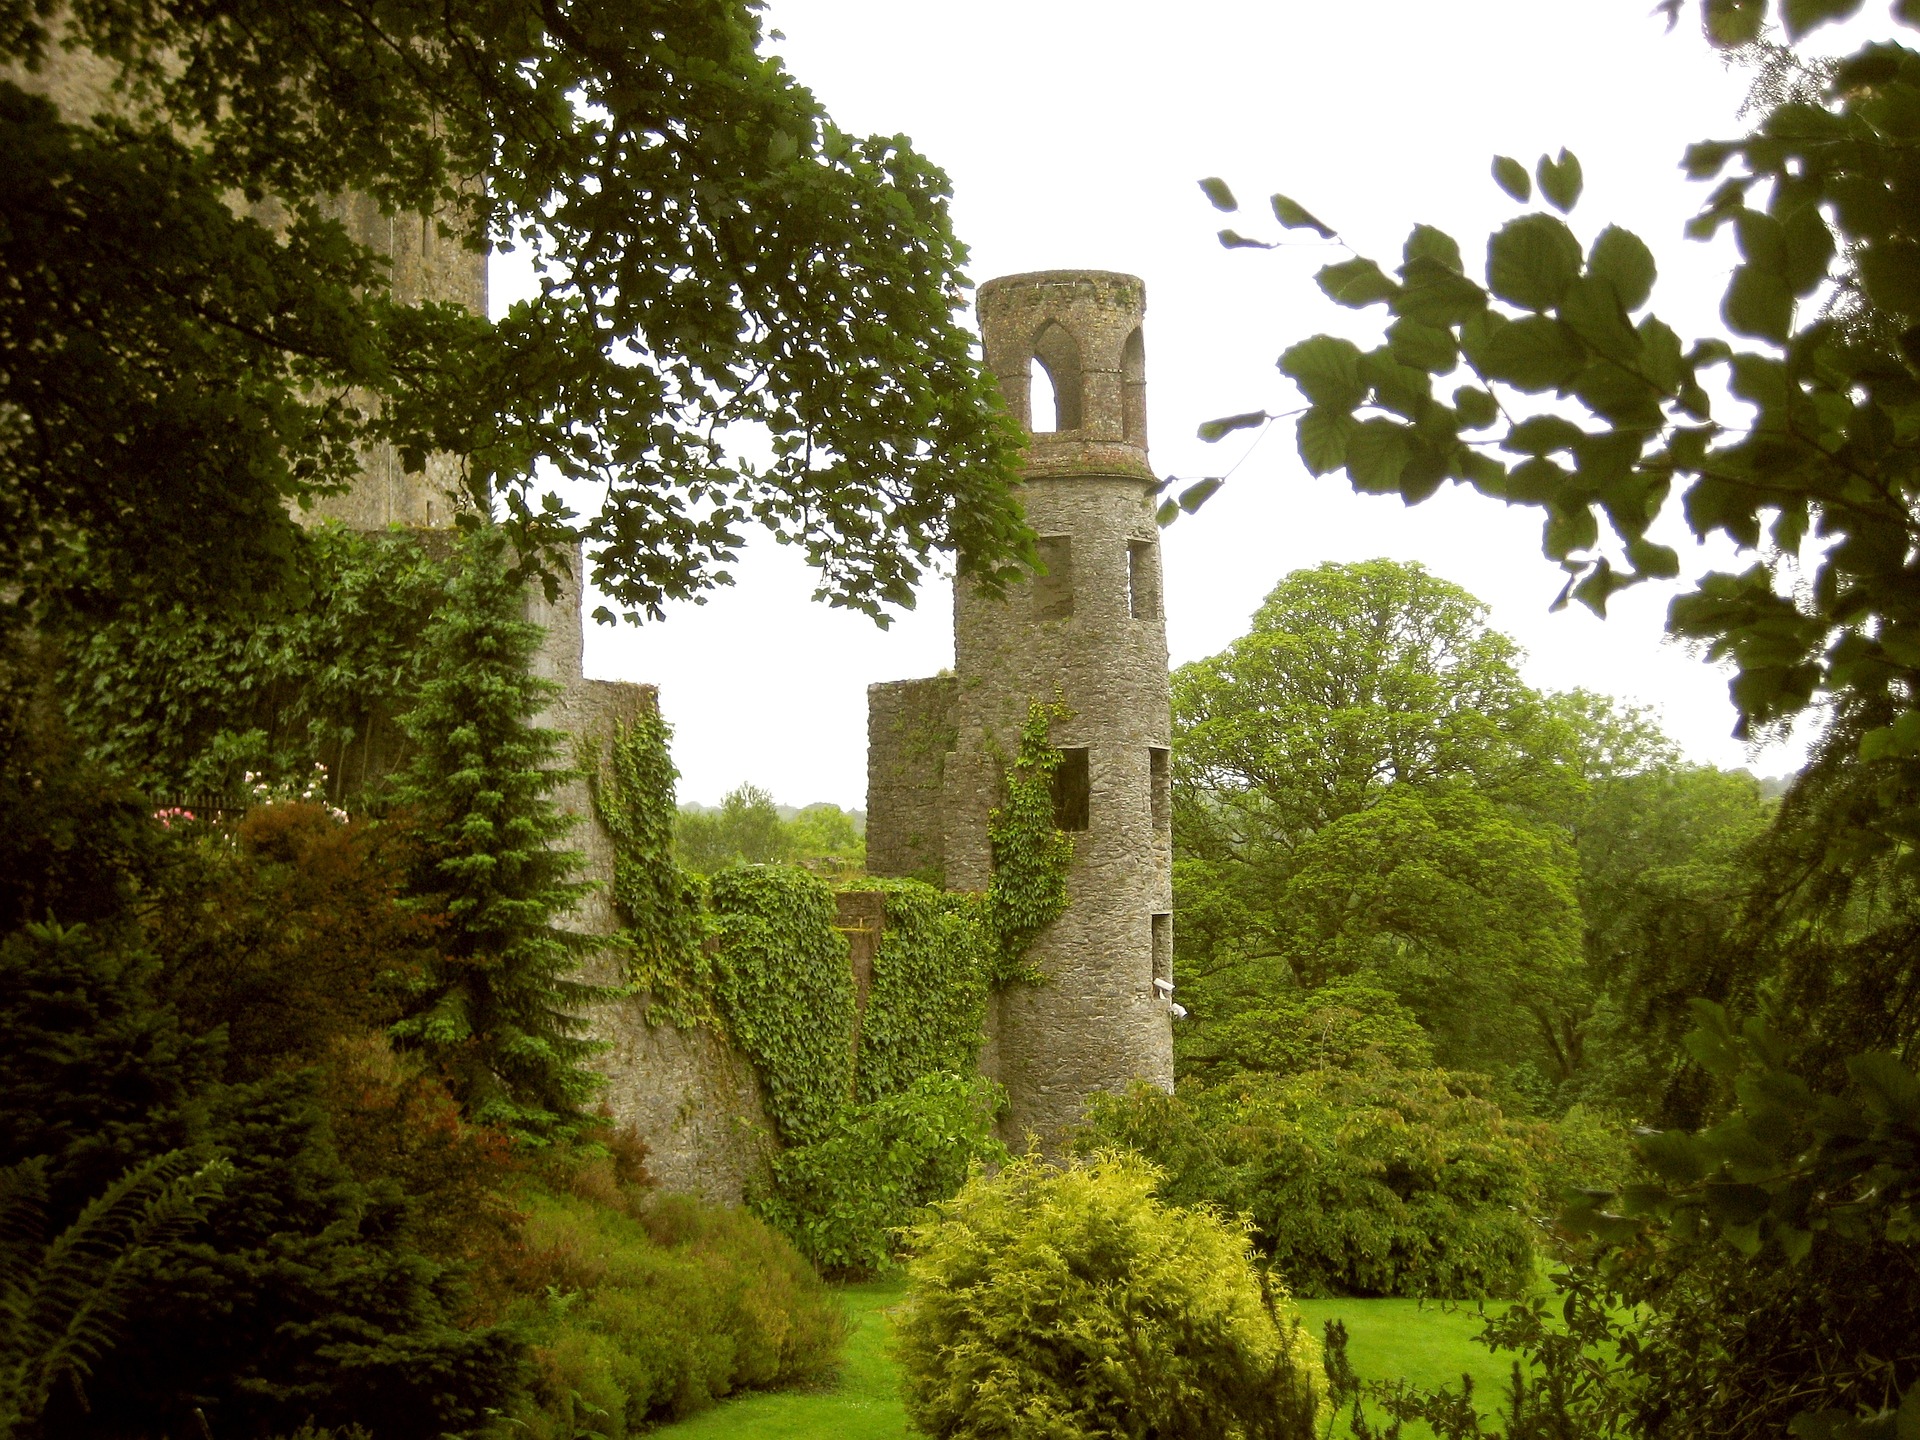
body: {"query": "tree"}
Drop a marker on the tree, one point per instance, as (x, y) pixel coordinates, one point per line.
(1365, 786)
(1822, 345)
(745, 830)
(502, 1013)
(1354, 679)
(1824, 302)
(1469, 915)
(714, 256)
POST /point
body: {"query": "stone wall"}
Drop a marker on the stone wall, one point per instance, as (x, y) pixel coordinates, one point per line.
(909, 734)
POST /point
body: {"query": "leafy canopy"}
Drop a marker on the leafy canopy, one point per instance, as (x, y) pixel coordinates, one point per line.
(1542, 378)
(717, 264)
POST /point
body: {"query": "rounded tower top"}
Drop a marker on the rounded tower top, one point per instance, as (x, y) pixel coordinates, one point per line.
(1082, 329)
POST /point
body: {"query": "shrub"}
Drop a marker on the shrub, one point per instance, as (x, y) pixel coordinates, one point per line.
(1060, 1303)
(1342, 1024)
(844, 1199)
(1368, 1182)
(660, 1304)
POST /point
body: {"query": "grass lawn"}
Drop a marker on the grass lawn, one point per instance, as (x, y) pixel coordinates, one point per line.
(1424, 1341)
(863, 1405)
(1419, 1342)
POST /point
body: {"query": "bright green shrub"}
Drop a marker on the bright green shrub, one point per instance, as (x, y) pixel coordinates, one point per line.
(844, 1199)
(1344, 1023)
(1374, 1181)
(660, 1305)
(1063, 1303)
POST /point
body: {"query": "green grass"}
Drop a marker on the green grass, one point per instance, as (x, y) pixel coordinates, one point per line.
(1427, 1342)
(1419, 1341)
(863, 1405)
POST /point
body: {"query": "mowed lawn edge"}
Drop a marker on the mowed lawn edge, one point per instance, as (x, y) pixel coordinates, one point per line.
(1427, 1342)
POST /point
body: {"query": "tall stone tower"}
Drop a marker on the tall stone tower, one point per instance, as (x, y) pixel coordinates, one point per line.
(1089, 632)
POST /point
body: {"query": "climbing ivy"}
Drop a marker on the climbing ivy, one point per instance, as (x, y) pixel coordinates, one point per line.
(661, 905)
(1030, 857)
(189, 700)
(785, 992)
(928, 997)
(844, 1198)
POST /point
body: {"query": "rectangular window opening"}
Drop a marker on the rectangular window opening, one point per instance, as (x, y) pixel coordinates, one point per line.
(1053, 591)
(1143, 580)
(1072, 791)
(1160, 769)
(1163, 957)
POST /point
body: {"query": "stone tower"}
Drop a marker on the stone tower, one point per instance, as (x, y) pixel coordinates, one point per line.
(1089, 632)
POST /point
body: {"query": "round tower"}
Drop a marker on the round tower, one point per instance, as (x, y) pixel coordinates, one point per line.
(1089, 632)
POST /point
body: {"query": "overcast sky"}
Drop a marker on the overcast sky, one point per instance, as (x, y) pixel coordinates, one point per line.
(1074, 132)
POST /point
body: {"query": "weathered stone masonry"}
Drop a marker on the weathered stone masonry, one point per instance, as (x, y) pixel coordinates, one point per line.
(1091, 633)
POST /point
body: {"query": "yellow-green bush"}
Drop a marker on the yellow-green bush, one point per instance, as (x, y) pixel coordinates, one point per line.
(1049, 1304)
(659, 1305)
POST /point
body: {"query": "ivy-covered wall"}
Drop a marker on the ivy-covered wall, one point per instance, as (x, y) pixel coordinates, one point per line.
(855, 1087)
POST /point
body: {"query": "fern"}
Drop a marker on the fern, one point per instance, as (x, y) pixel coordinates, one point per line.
(60, 1302)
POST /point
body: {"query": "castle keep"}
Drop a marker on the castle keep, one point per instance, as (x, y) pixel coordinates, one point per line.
(1089, 633)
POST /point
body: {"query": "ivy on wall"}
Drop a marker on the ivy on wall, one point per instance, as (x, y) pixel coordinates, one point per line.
(1030, 857)
(189, 700)
(785, 991)
(662, 906)
(928, 998)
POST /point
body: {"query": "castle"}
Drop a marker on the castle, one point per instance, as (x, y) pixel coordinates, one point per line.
(1086, 633)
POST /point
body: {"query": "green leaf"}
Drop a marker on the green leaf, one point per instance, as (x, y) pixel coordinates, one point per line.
(1674, 1155)
(1890, 269)
(1436, 294)
(1660, 562)
(1377, 452)
(1758, 303)
(1323, 438)
(1560, 180)
(1801, 16)
(1356, 283)
(1567, 531)
(1707, 158)
(1198, 493)
(1622, 259)
(1234, 240)
(1422, 346)
(1762, 240)
(1217, 192)
(1296, 217)
(1594, 313)
(1478, 409)
(1533, 354)
(1531, 261)
(1542, 435)
(1213, 430)
(1536, 482)
(1327, 370)
(1511, 176)
(1484, 473)
(1733, 23)
(1427, 243)
(1809, 247)
(1168, 512)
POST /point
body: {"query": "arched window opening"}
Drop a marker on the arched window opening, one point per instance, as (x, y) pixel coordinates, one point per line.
(1133, 389)
(1042, 404)
(1058, 355)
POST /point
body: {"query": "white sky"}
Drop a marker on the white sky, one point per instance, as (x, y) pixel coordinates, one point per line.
(1074, 132)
